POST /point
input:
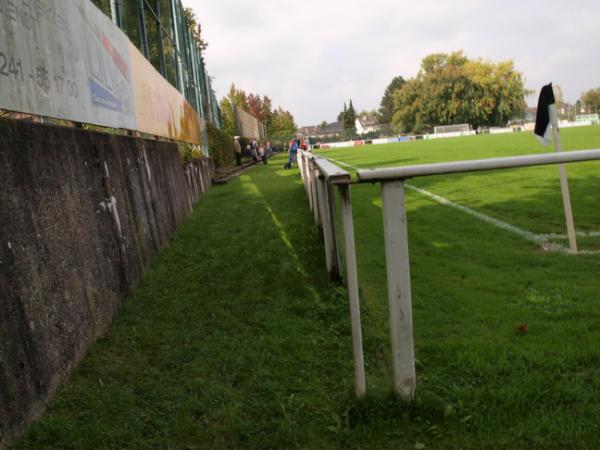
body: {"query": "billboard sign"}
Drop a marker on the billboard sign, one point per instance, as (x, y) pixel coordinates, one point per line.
(66, 59)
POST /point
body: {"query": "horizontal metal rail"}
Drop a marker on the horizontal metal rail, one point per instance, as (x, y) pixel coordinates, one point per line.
(423, 170)
(332, 173)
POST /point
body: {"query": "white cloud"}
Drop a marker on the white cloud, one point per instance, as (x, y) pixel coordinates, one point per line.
(310, 56)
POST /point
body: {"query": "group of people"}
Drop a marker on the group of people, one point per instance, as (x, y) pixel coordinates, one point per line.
(256, 150)
(261, 151)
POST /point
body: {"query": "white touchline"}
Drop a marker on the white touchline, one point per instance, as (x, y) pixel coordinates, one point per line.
(542, 239)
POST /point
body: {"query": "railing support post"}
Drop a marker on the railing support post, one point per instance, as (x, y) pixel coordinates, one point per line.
(315, 191)
(327, 224)
(399, 291)
(303, 160)
(335, 252)
(360, 387)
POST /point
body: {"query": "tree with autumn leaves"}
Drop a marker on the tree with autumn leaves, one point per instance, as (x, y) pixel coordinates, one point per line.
(591, 101)
(451, 89)
(279, 122)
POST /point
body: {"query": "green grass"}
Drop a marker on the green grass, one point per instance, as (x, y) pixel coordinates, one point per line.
(236, 339)
(474, 285)
(528, 197)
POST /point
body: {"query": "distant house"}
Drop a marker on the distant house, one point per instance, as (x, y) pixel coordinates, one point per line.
(363, 126)
(366, 125)
(308, 131)
(331, 130)
(530, 114)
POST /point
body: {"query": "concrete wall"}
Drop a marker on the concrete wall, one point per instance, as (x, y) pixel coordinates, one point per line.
(81, 215)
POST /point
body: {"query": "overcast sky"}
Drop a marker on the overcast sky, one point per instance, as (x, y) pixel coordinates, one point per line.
(310, 56)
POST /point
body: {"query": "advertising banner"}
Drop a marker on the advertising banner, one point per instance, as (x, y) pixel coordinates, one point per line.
(161, 109)
(66, 59)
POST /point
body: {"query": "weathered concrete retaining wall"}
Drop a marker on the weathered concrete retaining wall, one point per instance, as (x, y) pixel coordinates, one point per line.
(81, 215)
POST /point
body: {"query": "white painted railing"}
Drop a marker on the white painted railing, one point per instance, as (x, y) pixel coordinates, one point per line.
(320, 175)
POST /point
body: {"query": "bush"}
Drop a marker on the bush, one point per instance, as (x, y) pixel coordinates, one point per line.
(189, 152)
(220, 146)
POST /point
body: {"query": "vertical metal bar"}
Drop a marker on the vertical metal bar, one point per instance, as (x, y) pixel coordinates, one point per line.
(314, 192)
(185, 34)
(302, 165)
(360, 387)
(115, 12)
(178, 62)
(325, 223)
(196, 73)
(206, 84)
(142, 27)
(399, 290)
(307, 185)
(194, 50)
(161, 49)
(336, 272)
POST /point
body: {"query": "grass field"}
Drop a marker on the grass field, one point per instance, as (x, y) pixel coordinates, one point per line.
(475, 285)
(236, 339)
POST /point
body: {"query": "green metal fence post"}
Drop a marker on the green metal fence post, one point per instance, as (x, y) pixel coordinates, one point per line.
(142, 26)
(178, 62)
(115, 11)
(161, 49)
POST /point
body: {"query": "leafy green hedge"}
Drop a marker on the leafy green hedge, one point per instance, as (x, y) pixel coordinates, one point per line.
(220, 146)
(189, 152)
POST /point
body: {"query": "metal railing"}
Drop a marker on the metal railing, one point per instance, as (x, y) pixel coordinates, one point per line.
(320, 175)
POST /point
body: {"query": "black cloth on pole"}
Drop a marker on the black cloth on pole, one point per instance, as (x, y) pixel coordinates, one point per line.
(542, 118)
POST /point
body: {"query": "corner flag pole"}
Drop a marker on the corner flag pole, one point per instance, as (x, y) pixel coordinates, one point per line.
(546, 119)
(564, 181)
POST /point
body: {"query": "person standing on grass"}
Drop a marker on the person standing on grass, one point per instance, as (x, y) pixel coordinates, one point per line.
(238, 151)
(254, 150)
(263, 153)
(260, 152)
(293, 151)
(254, 144)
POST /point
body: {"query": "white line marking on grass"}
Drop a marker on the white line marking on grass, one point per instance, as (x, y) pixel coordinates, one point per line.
(481, 216)
(541, 239)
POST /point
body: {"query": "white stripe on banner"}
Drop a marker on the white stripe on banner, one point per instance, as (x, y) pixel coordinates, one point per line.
(541, 239)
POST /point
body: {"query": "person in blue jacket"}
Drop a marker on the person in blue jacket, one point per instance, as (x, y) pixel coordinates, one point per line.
(293, 151)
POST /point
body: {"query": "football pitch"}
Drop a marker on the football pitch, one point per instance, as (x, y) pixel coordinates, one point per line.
(506, 323)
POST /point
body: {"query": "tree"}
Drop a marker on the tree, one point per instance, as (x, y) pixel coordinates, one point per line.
(349, 122)
(237, 97)
(323, 124)
(195, 28)
(227, 118)
(259, 107)
(340, 117)
(386, 108)
(450, 89)
(591, 100)
(279, 122)
(283, 126)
